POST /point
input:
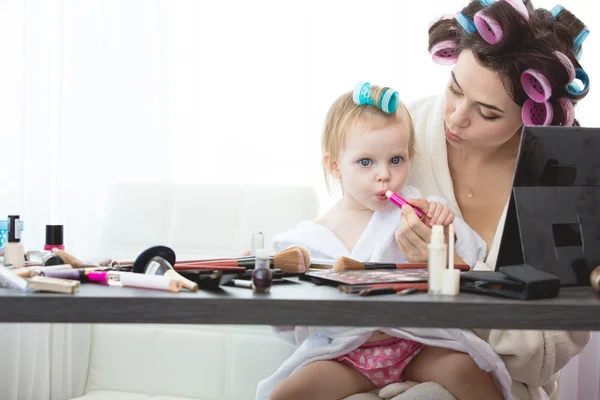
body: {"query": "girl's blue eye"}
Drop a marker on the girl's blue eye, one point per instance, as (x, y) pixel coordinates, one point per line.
(365, 162)
(396, 160)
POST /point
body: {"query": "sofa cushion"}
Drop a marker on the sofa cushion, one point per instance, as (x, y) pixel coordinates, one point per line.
(199, 220)
(183, 361)
(111, 395)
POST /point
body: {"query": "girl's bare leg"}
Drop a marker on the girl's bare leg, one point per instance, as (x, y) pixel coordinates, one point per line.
(455, 371)
(322, 380)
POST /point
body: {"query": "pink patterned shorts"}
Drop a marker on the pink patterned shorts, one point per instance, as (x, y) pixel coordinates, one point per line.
(383, 362)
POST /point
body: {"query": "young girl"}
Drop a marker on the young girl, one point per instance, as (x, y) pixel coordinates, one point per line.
(368, 143)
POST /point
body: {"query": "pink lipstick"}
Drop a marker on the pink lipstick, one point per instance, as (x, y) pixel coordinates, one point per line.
(399, 201)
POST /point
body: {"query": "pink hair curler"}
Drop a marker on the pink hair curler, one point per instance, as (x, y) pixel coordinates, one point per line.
(564, 60)
(488, 28)
(520, 6)
(568, 111)
(536, 85)
(444, 52)
(537, 114)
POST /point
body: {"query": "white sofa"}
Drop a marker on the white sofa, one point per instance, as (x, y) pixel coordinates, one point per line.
(202, 362)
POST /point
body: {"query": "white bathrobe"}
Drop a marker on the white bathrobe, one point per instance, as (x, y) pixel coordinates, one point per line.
(377, 243)
(533, 358)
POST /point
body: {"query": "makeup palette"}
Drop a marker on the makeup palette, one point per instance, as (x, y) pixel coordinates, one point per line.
(366, 277)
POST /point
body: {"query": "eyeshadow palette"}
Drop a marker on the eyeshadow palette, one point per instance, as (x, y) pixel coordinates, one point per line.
(364, 277)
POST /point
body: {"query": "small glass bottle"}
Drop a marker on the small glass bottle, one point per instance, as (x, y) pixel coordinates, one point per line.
(258, 242)
(54, 238)
(262, 275)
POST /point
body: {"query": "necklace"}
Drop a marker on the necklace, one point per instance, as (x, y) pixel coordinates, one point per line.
(452, 165)
(471, 188)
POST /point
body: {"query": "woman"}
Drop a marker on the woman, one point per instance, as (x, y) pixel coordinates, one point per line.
(468, 139)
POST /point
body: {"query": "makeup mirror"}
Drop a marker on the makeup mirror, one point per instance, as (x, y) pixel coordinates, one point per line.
(553, 214)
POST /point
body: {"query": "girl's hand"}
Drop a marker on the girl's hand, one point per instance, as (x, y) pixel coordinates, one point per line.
(413, 235)
(438, 214)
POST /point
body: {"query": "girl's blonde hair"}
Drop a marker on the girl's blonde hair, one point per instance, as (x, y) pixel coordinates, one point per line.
(345, 115)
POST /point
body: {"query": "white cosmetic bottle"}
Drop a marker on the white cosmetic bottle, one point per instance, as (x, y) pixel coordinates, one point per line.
(436, 260)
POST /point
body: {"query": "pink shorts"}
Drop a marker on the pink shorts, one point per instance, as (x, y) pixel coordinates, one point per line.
(383, 362)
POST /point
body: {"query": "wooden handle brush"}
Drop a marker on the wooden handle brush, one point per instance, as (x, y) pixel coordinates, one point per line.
(348, 264)
(207, 267)
(291, 261)
(76, 263)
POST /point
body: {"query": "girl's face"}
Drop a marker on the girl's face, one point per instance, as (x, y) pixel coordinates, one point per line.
(371, 163)
(479, 113)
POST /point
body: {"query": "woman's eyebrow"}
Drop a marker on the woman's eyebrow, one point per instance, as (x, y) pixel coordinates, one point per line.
(490, 106)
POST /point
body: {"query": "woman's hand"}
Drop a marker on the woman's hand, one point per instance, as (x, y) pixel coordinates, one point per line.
(413, 235)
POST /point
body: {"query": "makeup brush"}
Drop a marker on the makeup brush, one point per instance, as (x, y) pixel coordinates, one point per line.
(249, 261)
(291, 261)
(75, 262)
(305, 255)
(348, 264)
(208, 267)
(595, 279)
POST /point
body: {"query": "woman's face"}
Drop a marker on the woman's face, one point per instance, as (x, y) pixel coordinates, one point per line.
(478, 113)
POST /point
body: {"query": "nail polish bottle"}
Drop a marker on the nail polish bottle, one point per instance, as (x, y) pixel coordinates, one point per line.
(13, 250)
(262, 276)
(54, 238)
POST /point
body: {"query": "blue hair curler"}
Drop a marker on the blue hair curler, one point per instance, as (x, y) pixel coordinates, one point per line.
(556, 10)
(465, 23)
(486, 3)
(574, 89)
(362, 94)
(578, 53)
(389, 99)
(581, 37)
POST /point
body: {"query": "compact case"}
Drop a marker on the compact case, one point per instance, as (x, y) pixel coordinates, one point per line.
(523, 282)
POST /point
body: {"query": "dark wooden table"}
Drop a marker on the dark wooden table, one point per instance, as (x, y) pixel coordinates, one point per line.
(302, 303)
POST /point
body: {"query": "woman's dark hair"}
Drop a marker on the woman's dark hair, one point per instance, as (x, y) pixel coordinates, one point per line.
(526, 43)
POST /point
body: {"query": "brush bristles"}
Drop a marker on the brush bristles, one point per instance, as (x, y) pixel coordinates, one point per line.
(347, 264)
(305, 254)
(290, 261)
